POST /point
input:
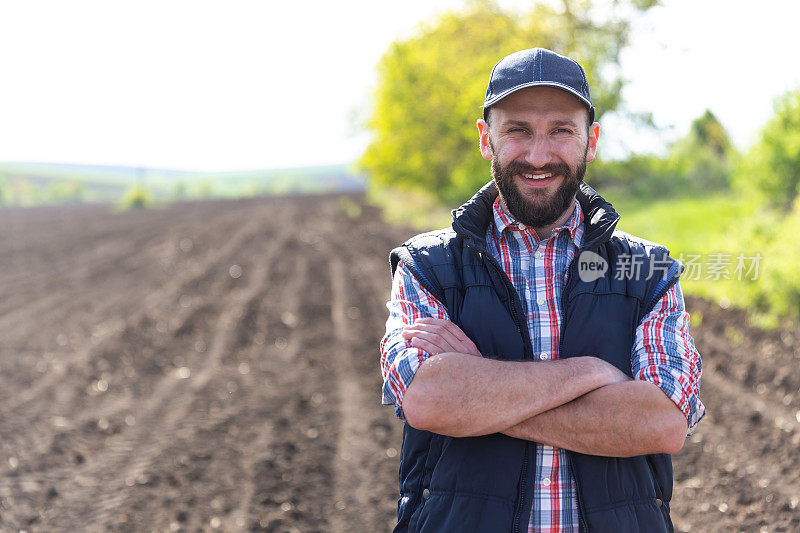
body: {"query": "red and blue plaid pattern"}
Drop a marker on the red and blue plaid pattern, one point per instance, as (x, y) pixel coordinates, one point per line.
(663, 352)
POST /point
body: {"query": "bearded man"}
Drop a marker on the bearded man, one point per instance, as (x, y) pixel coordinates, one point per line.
(543, 380)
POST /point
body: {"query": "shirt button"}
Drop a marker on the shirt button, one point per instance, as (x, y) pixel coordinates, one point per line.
(546, 482)
(521, 226)
(425, 493)
(543, 356)
(540, 300)
(537, 255)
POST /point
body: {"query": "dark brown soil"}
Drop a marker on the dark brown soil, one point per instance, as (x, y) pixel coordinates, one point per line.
(214, 366)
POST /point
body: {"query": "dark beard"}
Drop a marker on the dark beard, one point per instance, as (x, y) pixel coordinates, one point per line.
(545, 212)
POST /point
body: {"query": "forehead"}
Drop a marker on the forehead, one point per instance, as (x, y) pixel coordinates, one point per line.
(540, 102)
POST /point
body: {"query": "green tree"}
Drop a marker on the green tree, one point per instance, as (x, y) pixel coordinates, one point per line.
(779, 285)
(179, 191)
(137, 196)
(772, 166)
(204, 189)
(65, 192)
(431, 86)
(700, 162)
(22, 192)
(641, 175)
(703, 160)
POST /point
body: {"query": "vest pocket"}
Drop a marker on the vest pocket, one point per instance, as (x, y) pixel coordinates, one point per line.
(445, 511)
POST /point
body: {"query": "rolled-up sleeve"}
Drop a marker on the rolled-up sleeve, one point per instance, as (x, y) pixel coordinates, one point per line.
(399, 358)
(665, 355)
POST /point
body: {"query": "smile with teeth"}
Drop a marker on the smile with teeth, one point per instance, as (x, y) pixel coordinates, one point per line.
(538, 176)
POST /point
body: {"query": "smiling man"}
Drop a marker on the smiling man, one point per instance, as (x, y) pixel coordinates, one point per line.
(544, 381)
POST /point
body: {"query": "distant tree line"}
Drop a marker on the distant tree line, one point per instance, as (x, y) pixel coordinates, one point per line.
(19, 191)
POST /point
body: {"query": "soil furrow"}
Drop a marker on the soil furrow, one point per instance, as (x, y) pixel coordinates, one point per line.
(172, 405)
(214, 366)
(165, 297)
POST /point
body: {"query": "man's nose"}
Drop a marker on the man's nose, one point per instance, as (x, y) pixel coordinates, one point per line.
(538, 152)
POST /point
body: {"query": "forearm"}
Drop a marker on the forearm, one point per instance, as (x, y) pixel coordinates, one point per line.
(464, 395)
(618, 420)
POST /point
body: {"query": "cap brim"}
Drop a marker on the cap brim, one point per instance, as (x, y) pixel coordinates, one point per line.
(570, 90)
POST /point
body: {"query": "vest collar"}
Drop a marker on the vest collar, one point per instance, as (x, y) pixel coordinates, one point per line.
(471, 220)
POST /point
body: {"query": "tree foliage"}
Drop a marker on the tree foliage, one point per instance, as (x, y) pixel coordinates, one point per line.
(780, 284)
(23, 190)
(703, 160)
(431, 86)
(700, 162)
(137, 196)
(772, 166)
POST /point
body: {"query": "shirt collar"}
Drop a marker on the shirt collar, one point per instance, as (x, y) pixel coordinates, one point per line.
(504, 221)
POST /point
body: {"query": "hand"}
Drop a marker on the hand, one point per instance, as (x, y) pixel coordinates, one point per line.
(437, 336)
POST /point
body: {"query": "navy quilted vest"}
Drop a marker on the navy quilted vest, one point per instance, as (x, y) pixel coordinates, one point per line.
(483, 483)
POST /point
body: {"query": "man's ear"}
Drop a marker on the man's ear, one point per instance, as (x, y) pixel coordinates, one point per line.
(594, 135)
(483, 139)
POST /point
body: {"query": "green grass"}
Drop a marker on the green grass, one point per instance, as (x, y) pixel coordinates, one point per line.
(410, 209)
(726, 224)
(686, 225)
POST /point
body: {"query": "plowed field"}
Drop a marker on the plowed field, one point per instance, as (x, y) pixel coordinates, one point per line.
(213, 366)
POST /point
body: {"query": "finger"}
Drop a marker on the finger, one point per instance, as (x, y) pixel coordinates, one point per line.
(440, 324)
(409, 333)
(453, 342)
(448, 324)
(431, 320)
(422, 344)
(434, 340)
(458, 340)
(464, 345)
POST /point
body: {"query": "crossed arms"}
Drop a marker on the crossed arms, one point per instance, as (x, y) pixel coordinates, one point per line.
(438, 381)
(582, 404)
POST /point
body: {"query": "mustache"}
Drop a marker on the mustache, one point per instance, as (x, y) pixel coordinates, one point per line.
(520, 167)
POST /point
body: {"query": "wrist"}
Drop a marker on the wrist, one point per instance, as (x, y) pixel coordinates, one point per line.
(601, 373)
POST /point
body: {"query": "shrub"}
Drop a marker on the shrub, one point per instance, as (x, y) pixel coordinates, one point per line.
(136, 197)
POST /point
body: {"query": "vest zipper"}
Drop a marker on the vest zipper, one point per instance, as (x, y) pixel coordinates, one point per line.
(513, 298)
(521, 493)
(581, 520)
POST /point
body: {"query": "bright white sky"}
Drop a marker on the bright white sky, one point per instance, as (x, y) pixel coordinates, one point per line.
(234, 85)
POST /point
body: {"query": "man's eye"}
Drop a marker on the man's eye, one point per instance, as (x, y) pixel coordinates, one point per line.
(516, 130)
(562, 131)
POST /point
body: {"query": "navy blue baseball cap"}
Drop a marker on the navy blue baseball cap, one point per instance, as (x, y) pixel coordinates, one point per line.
(533, 68)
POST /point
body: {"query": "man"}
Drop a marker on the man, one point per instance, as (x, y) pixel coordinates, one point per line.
(540, 358)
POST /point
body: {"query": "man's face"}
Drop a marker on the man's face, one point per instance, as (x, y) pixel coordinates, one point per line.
(539, 147)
